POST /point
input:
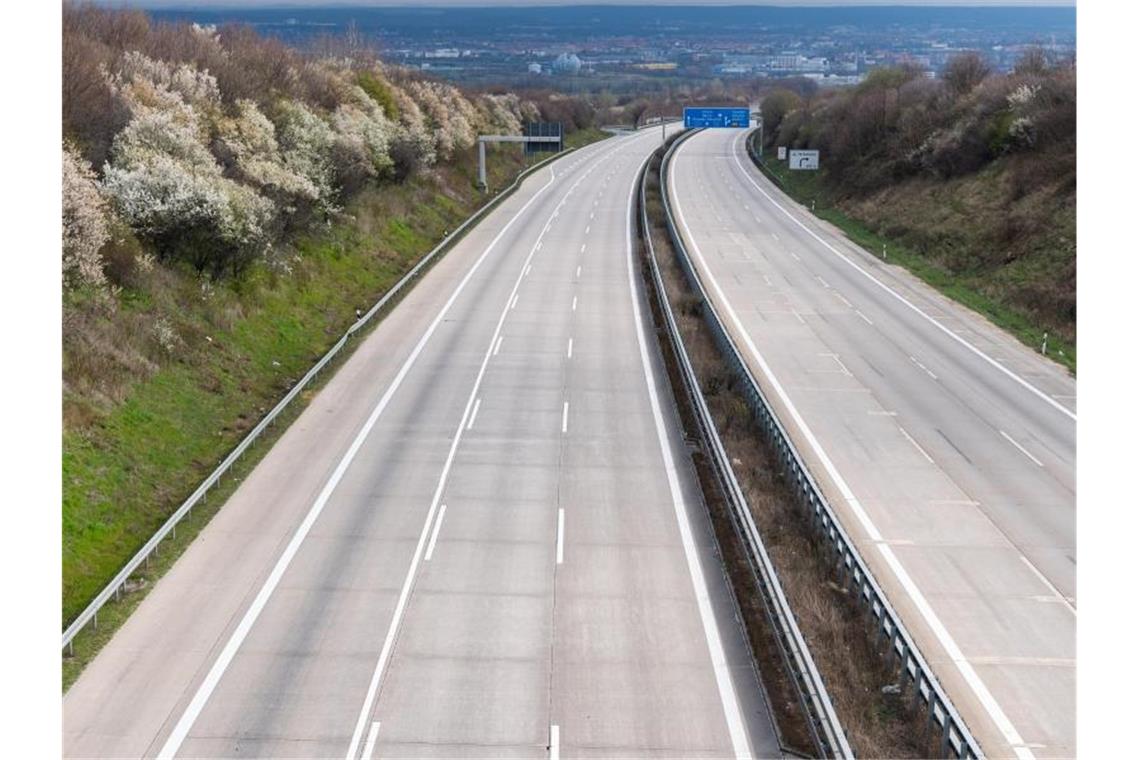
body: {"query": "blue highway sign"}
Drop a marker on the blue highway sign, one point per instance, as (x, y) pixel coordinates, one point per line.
(716, 117)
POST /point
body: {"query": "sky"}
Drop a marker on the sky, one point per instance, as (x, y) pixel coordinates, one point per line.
(484, 3)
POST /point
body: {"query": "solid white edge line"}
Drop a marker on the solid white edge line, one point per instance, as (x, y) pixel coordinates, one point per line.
(973, 680)
(435, 533)
(498, 345)
(974, 349)
(555, 740)
(725, 687)
(1022, 449)
(194, 708)
(561, 533)
(474, 413)
(405, 591)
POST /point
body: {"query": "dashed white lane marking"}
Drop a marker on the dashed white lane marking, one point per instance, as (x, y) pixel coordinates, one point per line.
(370, 745)
(800, 318)
(565, 415)
(841, 298)
(822, 281)
(578, 273)
(1022, 449)
(561, 534)
(555, 750)
(864, 317)
(582, 249)
(725, 687)
(915, 444)
(1041, 577)
(570, 349)
(587, 229)
(767, 280)
(924, 368)
(574, 304)
(435, 533)
(498, 345)
(794, 255)
(474, 412)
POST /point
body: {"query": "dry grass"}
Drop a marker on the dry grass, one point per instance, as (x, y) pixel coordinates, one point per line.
(878, 723)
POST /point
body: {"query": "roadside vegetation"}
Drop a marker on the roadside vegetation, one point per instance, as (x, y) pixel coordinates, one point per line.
(228, 206)
(969, 180)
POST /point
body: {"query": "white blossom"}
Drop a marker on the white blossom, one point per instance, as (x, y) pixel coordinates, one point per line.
(84, 222)
(250, 140)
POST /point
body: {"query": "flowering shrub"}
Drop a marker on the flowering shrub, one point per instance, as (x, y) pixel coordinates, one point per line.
(84, 222)
(249, 141)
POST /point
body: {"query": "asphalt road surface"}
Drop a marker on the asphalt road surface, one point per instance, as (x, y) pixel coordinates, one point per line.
(947, 447)
(483, 537)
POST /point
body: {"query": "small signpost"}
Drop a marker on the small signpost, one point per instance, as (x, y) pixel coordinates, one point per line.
(697, 118)
(782, 152)
(805, 160)
(539, 137)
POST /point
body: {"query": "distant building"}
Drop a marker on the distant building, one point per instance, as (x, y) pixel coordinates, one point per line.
(534, 68)
(567, 64)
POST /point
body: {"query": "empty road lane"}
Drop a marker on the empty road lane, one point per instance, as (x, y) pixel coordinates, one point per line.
(481, 538)
(947, 447)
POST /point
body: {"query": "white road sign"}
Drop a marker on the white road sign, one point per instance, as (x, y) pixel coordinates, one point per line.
(781, 152)
(803, 159)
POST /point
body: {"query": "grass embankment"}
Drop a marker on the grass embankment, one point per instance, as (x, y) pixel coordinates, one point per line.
(1009, 261)
(144, 424)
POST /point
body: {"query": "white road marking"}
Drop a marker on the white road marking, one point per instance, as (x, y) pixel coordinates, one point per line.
(841, 298)
(370, 745)
(527, 271)
(435, 533)
(561, 533)
(881, 413)
(954, 652)
(775, 236)
(565, 414)
(554, 742)
(924, 368)
(539, 246)
(229, 651)
(1022, 449)
(574, 304)
(724, 683)
(915, 444)
(801, 319)
(822, 281)
(498, 345)
(794, 256)
(587, 229)
(570, 349)
(974, 349)
(865, 317)
(578, 273)
(582, 249)
(515, 300)
(767, 281)
(475, 411)
(1056, 591)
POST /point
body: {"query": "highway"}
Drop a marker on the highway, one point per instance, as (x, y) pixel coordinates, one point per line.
(483, 537)
(947, 448)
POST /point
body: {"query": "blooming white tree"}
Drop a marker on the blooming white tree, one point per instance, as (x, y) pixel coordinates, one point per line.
(249, 141)
(84, 223)
(307, 145)
(166, 184)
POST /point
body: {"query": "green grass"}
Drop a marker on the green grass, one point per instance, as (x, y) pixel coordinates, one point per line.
(966, 288)
(243, 347)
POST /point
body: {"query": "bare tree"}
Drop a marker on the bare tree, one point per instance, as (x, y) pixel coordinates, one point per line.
(965, 72)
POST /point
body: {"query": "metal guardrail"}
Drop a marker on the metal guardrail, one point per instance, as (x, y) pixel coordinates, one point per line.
(827, 732)
(915, 673)
(91, 613)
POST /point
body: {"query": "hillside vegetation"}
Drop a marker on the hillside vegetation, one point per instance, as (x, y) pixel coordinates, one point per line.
(228, 205)
(970, 179)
